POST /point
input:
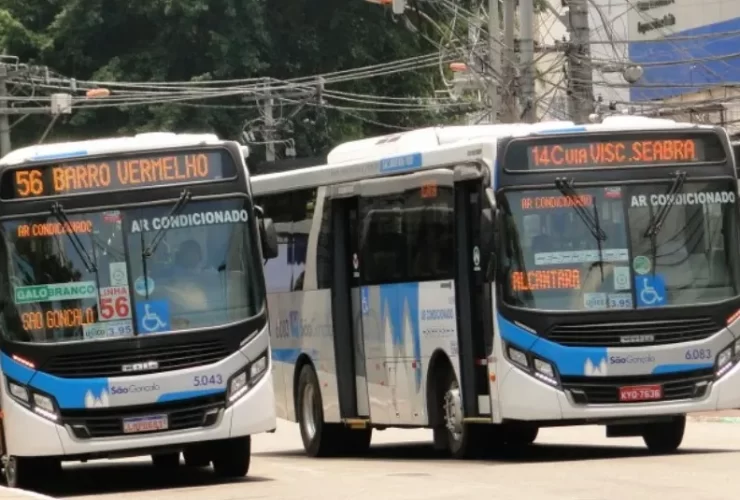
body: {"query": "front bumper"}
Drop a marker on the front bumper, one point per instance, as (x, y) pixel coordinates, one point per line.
(28, 434)
(522, 397)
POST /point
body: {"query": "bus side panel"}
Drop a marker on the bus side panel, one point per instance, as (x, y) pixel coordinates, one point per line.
(403, 326)
(305, 329)
(282, 360)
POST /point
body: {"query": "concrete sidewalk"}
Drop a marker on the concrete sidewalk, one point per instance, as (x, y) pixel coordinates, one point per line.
(727, 416)
(13, 494)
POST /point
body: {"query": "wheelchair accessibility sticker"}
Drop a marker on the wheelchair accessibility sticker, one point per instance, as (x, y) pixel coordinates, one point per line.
(650, 291)
(153, 316)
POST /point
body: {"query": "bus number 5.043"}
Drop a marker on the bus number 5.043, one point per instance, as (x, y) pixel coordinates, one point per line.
(114, 307)
(28, 182)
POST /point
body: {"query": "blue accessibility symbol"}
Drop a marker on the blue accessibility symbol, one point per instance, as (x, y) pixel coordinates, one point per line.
(153, 316)
(650, 291)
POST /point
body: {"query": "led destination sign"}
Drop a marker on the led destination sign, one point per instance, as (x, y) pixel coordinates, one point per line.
(645, 150)
(114, 174)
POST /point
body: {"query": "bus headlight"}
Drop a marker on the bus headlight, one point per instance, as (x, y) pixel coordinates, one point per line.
(39, 403)
(240, 383)
(539, 368)
(727, 358)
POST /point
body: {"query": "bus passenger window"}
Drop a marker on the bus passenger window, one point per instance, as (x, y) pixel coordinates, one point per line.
(279, 271)
(302, 207)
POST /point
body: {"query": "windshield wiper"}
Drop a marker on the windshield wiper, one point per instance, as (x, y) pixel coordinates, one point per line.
(159, 236)
(659, 218)
(591, 222)
(57, 210)
(656, 223)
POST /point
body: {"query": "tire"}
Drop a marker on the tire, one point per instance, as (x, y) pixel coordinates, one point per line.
(520, 435)
(166, 460)
(665, 437)
(24, 472)
(196, 458)
(232, 457)
(463, 440)
(319, 438)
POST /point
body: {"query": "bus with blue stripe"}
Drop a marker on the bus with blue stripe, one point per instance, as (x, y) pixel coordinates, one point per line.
(134, 318)
(488, 281)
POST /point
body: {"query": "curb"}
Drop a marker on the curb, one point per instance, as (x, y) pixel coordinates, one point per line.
(11, 493)
(723, 420)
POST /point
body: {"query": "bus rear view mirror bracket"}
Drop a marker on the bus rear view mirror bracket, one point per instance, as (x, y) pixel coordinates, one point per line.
(268, 238)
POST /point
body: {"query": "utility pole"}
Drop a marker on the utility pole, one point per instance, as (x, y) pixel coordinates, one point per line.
(580, 69)
(5, 145)
(269, 126)
(494, 59)
(526, 51)
(509, 114)
(60, 103)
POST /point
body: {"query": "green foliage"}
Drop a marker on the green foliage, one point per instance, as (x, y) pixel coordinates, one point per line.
(183, 40)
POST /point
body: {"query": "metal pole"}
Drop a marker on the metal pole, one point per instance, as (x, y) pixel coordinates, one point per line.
(4, 121)
(494, 58)
(269, 125)
(526, 50)
(510, 108)
(580, 80)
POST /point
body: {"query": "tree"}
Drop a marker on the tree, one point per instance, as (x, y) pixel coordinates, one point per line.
(184, 40)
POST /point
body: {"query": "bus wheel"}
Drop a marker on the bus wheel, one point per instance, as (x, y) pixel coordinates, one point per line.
(520, 435)
(232, 457)
(464, 440)
(166, 460)
(319, 438)
(664, 437)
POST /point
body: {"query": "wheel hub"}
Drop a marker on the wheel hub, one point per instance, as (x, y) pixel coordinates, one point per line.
(309, 411)
(11, 471)
(453, 412)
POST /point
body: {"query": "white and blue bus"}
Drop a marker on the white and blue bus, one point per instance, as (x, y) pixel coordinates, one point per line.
(487, 281)
(134, 318)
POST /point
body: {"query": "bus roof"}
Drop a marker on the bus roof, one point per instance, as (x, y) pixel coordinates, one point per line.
(111, 145)
(435, 147)
(428, 138)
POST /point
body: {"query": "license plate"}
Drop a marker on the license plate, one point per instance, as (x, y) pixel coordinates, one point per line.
(145, 424)
(640, 393)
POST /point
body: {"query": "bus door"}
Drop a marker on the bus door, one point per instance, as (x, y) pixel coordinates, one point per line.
(345, 298)
(473, 293)
(407, 299)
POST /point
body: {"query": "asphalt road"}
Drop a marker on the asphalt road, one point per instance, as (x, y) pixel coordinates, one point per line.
(567, 464)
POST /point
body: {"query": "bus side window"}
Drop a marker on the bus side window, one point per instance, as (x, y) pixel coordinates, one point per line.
(303, 204)
(278, 271)
(324, 248)
(382, 240)
(428, 225)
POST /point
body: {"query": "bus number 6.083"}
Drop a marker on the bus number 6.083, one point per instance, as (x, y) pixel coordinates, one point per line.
(694, 354)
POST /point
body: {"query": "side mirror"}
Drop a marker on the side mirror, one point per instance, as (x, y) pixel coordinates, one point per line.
(269, 239)
(259, 212)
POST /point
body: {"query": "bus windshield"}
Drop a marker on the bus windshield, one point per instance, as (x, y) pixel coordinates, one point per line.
(87, 275)
(601, 248)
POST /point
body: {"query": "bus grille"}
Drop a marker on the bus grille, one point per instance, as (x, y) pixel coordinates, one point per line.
(637, 333)
(605, 390)
(109, 363)
(108, 422)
